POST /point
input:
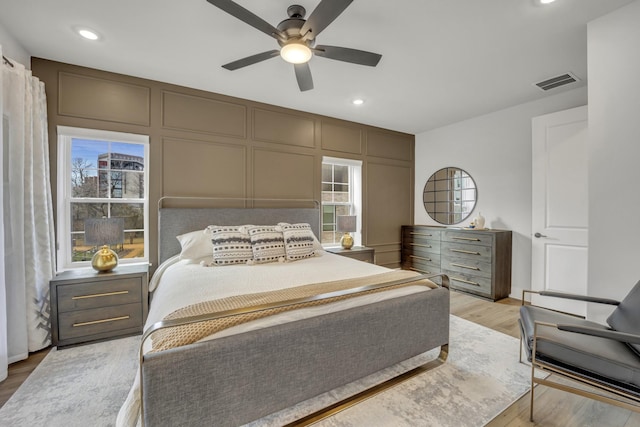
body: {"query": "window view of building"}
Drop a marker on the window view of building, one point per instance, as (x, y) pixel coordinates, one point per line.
(107, 180)
(341, 195)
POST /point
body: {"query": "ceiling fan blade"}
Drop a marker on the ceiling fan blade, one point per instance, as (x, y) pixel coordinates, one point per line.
(244, 15)
(250, 60)
(348, 55)
(323, 15)
(303, 75)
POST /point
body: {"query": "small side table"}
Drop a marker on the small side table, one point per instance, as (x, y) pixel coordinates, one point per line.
(361, 253)
(89, 306)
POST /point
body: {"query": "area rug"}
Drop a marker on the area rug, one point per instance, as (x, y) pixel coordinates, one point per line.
(86, 385)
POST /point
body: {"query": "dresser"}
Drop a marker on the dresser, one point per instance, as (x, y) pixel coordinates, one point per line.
(88, 306)
(476, 261)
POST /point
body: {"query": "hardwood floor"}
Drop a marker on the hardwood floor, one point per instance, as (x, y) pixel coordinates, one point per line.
(18, 372)
(553, 408)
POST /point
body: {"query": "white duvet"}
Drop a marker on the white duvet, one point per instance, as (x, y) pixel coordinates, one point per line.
(178, 283)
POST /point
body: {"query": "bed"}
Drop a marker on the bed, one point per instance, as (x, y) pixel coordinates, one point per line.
(310, 345)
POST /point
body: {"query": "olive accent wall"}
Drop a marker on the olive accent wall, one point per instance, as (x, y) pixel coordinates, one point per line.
(206, 144)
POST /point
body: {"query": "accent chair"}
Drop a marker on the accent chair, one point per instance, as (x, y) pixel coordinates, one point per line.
(604, 357)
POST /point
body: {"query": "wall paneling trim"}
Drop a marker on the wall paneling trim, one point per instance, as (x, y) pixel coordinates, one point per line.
(206, 144)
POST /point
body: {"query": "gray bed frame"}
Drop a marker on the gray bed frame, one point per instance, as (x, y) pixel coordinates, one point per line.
(237, 379)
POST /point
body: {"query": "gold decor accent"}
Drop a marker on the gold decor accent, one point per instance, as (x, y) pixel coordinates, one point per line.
(346, 241)
(465, 281)
(106, 294)
(95, 322)
(462, 251)
(466, 238)
(104, 260)
(465, 266)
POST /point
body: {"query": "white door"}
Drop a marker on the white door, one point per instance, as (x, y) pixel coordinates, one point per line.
(559, 217)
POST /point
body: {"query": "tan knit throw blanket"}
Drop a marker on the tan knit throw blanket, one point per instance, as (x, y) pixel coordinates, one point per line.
(193, 332)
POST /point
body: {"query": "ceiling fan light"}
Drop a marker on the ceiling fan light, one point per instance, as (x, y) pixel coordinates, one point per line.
(295, 53)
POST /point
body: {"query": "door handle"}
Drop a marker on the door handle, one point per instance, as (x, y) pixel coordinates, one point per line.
(538, 235)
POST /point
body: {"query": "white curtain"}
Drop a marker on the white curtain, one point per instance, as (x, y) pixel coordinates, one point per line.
(28, 235)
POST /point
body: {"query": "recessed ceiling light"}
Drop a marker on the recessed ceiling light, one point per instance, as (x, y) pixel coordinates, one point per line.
(357, 101)
(546, 1)
(88, 34)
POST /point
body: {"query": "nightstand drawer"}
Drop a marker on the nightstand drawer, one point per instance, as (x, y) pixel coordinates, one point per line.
(95, 321)
(361, 256)
(360, 253)
(100, 294)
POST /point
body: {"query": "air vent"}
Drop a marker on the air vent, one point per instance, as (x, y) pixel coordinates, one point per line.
(558, 81)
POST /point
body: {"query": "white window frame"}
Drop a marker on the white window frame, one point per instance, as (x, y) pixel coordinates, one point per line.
(65, 136)
(355, 195)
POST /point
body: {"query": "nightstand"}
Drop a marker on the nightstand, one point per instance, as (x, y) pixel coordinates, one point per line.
(361, 253)
(90, 306)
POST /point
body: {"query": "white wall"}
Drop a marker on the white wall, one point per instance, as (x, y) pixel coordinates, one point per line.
(496, 150)
(12, 49)
(614, 154)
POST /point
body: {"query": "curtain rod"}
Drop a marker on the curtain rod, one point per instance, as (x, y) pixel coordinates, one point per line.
(6, 61)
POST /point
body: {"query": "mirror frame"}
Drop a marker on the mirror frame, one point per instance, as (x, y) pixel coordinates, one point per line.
(450, 195)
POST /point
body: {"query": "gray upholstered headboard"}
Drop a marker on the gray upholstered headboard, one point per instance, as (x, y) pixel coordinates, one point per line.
(175, 221)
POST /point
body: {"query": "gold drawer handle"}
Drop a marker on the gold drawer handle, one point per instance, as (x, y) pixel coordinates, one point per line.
(95, 322)
(465, 266)
(420, 271)
(467, 238)
(465, 281)
(465, 252)
(420, 257)
(420, 234)
(106, 294)
(422, 246)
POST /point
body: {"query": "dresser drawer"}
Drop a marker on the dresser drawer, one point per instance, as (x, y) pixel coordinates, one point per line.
(466, 250)
(467, 266)
(467, 282)
(421, 267)
(456, 236)
(416, 257)
(424, 246)
(421, 234)
(82, 296)
(80, 323)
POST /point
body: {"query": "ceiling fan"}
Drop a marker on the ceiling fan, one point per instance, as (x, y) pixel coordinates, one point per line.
(296, 37)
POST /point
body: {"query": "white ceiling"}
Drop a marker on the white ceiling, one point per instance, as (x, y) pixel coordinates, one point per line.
(442, 60)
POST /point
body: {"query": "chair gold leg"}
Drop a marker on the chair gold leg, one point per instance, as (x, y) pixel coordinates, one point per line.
(520, 357)
(533, 371)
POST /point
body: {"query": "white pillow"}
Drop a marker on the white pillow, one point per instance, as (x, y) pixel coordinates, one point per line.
(195, 244)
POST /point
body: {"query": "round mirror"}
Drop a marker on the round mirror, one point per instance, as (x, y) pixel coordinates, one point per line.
(450, 195)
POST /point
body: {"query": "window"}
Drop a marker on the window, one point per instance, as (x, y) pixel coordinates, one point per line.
(101, 174)
(341, 195)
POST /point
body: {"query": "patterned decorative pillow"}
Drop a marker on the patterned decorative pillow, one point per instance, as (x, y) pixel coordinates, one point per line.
(231, 245)
(267, 243)
(298, 240)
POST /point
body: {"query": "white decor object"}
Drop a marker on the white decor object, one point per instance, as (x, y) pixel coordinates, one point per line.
(479, 221)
